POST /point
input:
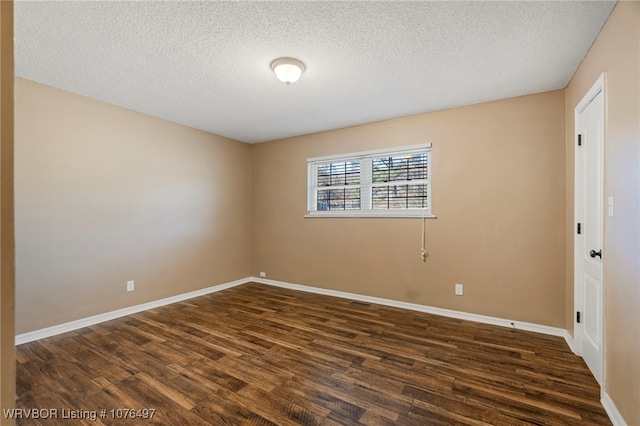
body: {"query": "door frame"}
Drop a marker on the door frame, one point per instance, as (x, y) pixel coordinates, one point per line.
(598, 87)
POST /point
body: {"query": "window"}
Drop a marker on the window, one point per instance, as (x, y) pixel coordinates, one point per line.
(382, 183)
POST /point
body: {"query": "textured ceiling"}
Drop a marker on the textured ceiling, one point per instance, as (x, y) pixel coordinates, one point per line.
(206, 64)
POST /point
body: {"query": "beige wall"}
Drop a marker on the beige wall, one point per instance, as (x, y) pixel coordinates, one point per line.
(616, 51)
(498, 192)
(105, 195)
(7, 351)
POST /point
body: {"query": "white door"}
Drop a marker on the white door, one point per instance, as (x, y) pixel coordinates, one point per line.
(589, 242)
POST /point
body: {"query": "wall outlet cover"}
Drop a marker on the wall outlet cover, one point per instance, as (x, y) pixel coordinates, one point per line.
(459, 289)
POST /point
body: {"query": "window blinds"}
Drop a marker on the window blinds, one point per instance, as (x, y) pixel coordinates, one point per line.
(380, 180)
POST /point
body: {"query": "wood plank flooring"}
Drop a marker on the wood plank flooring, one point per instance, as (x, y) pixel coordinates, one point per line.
(262, 355)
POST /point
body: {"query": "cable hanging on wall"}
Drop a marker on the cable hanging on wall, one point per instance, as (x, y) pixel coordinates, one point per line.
(423, 251)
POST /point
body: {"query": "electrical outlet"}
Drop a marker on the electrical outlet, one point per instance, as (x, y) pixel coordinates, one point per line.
(459, 289)
(131, 285)
(263, 274)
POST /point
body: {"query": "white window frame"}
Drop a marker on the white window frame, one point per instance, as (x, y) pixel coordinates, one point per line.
(366, 209)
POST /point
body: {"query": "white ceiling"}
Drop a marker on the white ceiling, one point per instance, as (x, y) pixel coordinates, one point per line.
(206, 64)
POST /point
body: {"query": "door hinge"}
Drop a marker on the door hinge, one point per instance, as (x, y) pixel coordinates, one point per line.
(579, 229)
(578, 317)
(579, 140)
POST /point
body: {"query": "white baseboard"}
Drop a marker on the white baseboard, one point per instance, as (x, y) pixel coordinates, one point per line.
(544, 329)
(85, 322)
(570, 342)
(611, 409)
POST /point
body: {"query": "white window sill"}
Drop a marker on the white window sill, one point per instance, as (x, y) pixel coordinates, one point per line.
(369, 213)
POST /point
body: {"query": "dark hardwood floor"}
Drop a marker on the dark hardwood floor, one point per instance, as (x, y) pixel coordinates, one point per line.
(260, 355)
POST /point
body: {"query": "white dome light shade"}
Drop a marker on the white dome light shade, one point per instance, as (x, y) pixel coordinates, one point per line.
(288, 70)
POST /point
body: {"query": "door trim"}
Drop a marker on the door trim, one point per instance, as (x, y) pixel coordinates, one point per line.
(597, 88)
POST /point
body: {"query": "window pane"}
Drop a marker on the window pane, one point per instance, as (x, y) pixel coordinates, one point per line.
(417, 167)
(417, 203)
(323, 199)
(352, 172)
(324, 180)
(337, 204)
(339, 174)
(352, 199)
(339, 199)
(380, 197)
(398, 191)
(399, 196)
(417, 190)
(380, 169)
(398, 168)
(336, 199)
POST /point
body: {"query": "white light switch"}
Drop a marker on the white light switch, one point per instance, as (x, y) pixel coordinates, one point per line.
(458, 289)
(610, 206)
(131, 285)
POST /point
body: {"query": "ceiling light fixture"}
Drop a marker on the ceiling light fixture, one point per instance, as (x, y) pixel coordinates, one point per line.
(288, 70)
